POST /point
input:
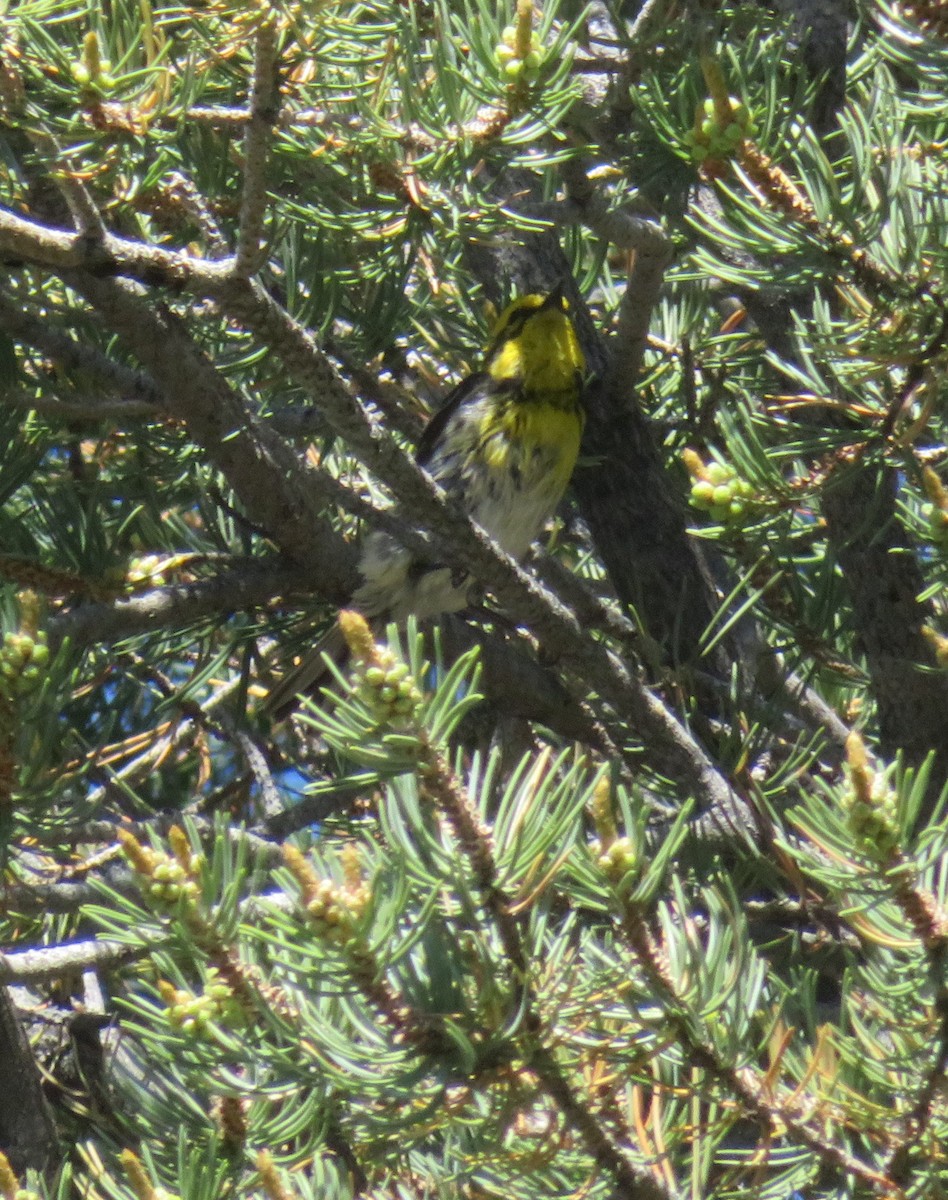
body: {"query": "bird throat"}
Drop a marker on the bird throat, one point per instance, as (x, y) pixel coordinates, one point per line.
(544, 359)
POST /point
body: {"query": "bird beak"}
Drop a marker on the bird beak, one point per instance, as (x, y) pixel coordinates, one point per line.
(555, 299)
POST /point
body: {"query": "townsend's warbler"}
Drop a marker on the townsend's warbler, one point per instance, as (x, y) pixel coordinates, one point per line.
(504, 444)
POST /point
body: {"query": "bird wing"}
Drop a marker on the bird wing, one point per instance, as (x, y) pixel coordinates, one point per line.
(439, 420)
(306, 677)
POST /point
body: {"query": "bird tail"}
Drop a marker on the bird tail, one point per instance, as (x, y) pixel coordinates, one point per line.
(312, 672)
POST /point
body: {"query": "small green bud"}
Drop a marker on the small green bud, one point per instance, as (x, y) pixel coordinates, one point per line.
(722, 495)
(15, 657)
(620, 858)
(40, 655)
(719, 472)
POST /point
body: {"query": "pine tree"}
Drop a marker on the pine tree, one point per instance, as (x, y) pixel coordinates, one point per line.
(630, 882)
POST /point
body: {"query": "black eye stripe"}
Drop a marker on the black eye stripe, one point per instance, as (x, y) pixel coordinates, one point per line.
(518, 319)
(516, 323)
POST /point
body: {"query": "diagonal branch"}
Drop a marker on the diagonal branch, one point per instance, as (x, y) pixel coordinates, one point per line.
(70, 353)
(265, 473)
(181, 604)
(671, 749)
(261, 468)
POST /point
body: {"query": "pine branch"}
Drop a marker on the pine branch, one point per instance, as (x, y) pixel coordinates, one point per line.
(52, 963)
(884, 581)
(27, 1128)
(440, 786)
(255, 583)
(68, 352)
(156, 342)
(257, 135)
(257, 464)
(779, 1115)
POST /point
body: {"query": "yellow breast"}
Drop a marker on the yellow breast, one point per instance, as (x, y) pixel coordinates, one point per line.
(536, 443)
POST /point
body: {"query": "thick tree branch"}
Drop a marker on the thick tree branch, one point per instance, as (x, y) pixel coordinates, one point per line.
(27, 1128)
(883, 580)
(64, 250)
(670, 749)
(264, 103)
(82, 408)
(70, 353)
(53, 962)
(264, 472)
(177, 605)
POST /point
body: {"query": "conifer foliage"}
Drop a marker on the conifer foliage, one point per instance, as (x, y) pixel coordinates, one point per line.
(628, 883)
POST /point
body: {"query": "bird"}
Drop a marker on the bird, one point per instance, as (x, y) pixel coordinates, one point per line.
(504, 444)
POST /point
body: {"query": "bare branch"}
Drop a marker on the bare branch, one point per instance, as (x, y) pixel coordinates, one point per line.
(66, 351)
(590, 609)
(63, 250)
(82, 409)
(264, 472)
(27, 1128)
(179, 604)
(54, 962)
(182, 192)
(263, 113)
